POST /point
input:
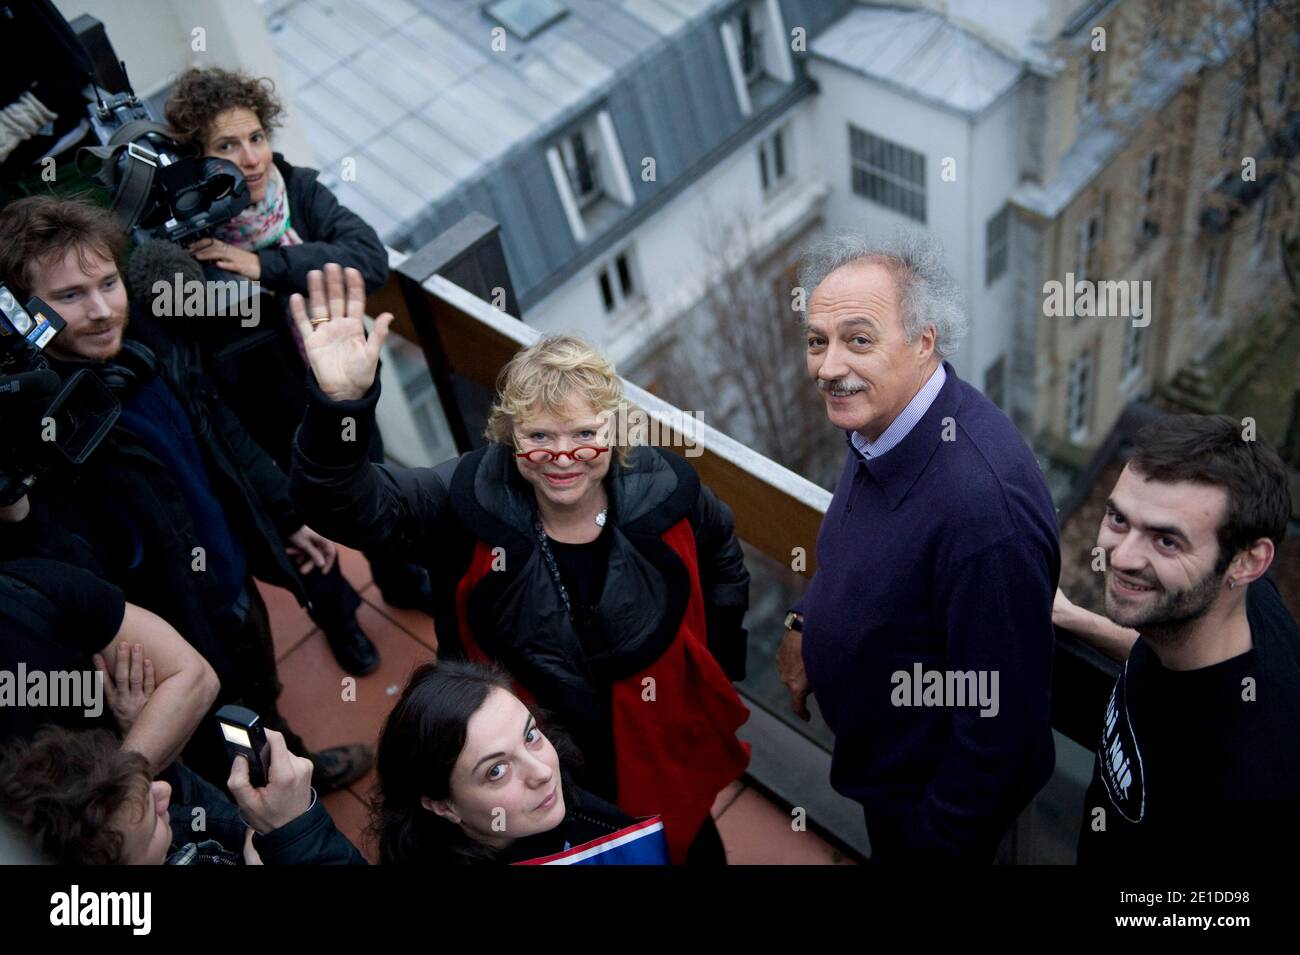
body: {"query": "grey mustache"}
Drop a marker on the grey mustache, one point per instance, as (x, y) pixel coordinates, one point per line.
(842, 387)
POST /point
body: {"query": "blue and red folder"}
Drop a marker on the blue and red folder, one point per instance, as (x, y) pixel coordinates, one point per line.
(640, 844)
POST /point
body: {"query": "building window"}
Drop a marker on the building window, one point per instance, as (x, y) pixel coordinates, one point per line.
(1079, 399)
(750, 32)
(1135, 347)
(590, 175)
(771, 160)
(887, 173)
(1210, 276)
(1090, 82)
(995, 246)
(582, 163)
(617, 282)
(1149, 191)
(995, 381)
(756, 57)
(1087, 264)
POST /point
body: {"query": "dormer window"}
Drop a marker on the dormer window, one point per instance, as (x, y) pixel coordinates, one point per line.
(759, 62)
(582, 163)
(590, 175)
(751, 44)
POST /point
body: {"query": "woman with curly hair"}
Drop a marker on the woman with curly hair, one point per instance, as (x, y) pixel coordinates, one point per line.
(293, 225)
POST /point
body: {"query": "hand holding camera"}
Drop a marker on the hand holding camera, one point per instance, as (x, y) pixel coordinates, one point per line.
(286, 794)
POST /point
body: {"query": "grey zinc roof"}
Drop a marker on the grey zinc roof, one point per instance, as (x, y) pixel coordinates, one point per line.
(921, 53)
(439, 124)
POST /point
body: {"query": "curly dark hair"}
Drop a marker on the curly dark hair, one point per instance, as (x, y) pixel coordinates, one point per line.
(65, 787)
(202, 95)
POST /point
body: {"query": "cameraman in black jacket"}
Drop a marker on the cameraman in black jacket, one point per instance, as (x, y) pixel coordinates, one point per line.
(184, 507)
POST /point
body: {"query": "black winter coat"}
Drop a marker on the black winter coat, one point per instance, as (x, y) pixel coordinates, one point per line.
(122, 476)
(435, 517)
(259, 372)
(311, 839)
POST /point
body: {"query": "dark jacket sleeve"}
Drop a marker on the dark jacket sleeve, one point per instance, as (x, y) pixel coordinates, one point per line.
(997, 605)
(354, 501)
(330, 233)
(269, 483)
(311, 839)
(55, 529)
(725, 582)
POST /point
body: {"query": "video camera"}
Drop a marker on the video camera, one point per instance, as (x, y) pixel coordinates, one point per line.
(161, 190)
(43, 420)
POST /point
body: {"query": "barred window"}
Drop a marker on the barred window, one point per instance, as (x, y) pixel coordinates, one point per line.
(887, 173)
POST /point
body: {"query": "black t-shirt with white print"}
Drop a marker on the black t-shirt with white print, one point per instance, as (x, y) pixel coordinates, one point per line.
(1202, 766)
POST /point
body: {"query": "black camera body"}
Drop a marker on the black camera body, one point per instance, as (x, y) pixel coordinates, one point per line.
(44, 422)
(161, 190)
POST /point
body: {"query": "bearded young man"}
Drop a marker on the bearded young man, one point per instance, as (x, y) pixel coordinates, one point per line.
(1199, 756)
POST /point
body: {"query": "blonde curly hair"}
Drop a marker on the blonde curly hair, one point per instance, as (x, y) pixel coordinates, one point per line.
(546, 378)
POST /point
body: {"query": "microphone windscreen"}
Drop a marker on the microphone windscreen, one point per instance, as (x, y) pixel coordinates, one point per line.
(29, 385)
(157, 261)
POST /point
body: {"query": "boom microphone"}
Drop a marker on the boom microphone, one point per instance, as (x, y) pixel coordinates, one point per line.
(29, 385)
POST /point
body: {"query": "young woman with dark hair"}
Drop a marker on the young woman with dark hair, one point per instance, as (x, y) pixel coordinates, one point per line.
(467, 776)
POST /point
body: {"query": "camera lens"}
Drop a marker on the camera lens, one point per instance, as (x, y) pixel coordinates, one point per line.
(187, 203)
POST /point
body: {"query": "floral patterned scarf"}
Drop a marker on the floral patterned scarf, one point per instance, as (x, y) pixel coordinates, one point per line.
(263, 224)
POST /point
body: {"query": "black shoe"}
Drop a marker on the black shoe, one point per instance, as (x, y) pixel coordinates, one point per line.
(419, 597)
(353, 649)
(340, 766)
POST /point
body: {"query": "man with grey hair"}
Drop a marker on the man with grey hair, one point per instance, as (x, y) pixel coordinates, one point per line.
(926, 634)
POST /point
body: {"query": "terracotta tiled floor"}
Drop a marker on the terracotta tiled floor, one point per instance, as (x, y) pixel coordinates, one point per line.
(326, 711)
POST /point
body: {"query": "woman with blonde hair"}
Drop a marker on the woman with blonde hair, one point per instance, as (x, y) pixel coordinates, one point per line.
(606, 580)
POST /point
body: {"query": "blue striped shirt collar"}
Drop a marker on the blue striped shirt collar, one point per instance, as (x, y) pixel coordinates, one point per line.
(902, 426)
